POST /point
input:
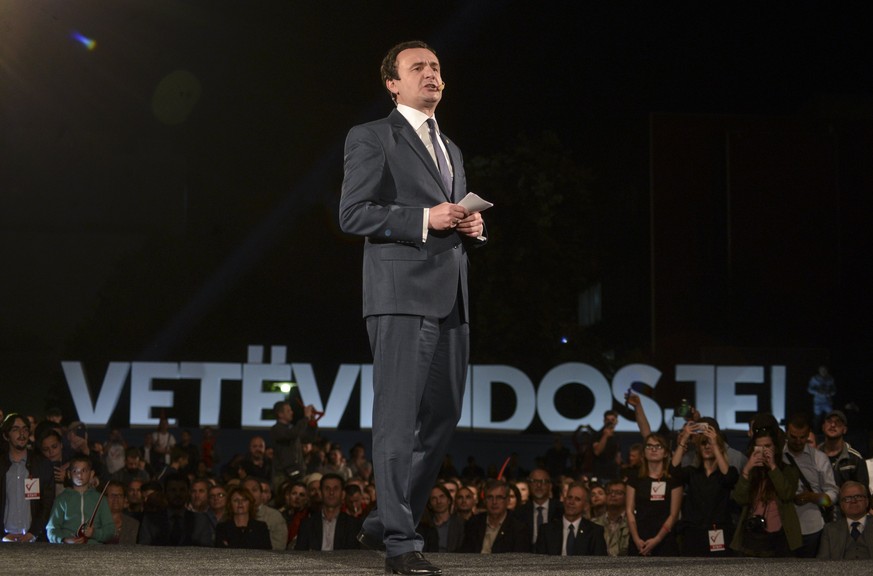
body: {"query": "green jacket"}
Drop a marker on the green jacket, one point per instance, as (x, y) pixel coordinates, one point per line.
(72, 509)
(785, 482)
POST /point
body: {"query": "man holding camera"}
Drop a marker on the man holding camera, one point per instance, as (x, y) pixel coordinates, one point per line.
(607, 452)
(816, 489)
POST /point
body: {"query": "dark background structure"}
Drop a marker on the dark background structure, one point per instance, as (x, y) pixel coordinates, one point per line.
(170, 173)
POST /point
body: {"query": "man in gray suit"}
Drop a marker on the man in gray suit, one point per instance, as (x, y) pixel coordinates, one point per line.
(403, 181)
(849, 537)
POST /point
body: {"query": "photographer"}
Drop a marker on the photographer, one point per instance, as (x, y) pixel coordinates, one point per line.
(768, 524)
(607, 453)
(706, 526)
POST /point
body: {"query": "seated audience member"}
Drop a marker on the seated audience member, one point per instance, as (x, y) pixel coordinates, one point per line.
(217, 498)
(241, 529)
(352, 504)
(706, 525)
(134, 467)
(768, 524)
(449, 528)
(524, 490)
(199, 498)
(848, 464)
(126, 526)
(114, 452)
(296, 509)
(133, 500)
(541, 508)
(74, 507)
(313, 491)
(654, 498)
(465, 503)
(598, 502)
(496, 531)
(850, 537)
(168, 522)
(634, 458)
(514, 497)
(573, 535)
(267, 514)
(614, 519)
(23, 516)
(331, 528)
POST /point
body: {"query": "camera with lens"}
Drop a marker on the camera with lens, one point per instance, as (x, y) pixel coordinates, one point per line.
(756, 524)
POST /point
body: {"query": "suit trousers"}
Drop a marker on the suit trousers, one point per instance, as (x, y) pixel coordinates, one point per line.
(419, 373)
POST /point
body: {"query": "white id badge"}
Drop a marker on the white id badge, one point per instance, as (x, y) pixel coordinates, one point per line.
(659, 491)
(716, 540)
(31, 488)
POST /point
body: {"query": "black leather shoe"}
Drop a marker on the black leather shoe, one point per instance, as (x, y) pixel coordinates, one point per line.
(412, 564)
(369, 542)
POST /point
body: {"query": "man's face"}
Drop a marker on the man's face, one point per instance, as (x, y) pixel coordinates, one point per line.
(796, 438)
(217, 498)
(19, 434)
(834, 428)
(854, 502)
(177, 494)
(496, 501)
(257, 448)
(134, 492)
(419, 79)
(131, 463)
(540, 485)
(575, 503)
(439, 502)
(464, 500)
(615, 496)
(284, 414)
(199, 495)
(452, 488)
(331, 493)
(115, 498)
(610, 421)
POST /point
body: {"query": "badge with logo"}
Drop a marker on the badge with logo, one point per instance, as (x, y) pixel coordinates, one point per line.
(31, 488)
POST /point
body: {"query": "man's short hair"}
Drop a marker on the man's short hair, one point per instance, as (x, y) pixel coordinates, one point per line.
(278, 405)
(132, 452)
(388, 69)
(332, 476)
(799, 421)
(494, 484)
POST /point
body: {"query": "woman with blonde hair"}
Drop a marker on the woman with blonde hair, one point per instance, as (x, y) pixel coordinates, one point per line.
(241, 529)
(653, 501)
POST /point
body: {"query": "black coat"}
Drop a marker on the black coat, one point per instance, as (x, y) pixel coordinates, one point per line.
(513, 536)
(590, 540)
(344, 538)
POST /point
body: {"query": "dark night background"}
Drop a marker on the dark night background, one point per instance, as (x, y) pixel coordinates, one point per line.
(187, 220)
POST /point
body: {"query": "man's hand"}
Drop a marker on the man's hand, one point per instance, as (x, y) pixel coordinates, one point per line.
(446, 216)
(472, 225)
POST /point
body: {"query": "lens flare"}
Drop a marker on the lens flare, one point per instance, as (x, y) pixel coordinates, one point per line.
(88, 43)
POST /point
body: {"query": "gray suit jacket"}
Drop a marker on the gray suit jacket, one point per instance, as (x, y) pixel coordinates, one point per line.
(389, 179)
(835, 540)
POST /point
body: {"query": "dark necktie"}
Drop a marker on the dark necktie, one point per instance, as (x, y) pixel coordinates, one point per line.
(855, 532)
(443, 164)
(571, 540)
(177, 532)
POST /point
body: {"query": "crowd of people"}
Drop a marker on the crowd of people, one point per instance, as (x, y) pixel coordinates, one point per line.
(682, 494)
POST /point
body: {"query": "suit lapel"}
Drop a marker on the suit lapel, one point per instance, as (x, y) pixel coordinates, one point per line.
(403, 129)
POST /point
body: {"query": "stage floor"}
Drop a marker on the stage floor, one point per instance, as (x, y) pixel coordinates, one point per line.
(99, 560)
